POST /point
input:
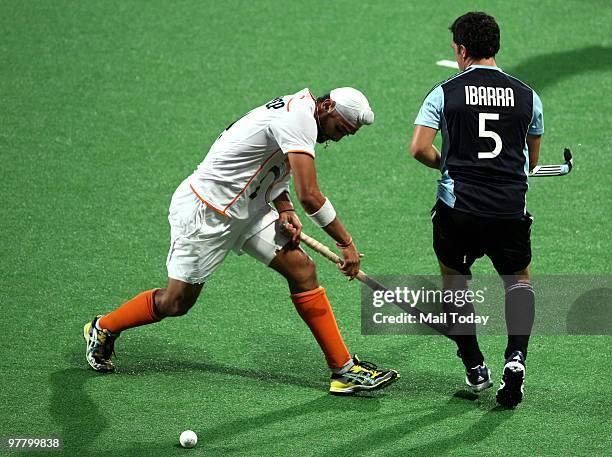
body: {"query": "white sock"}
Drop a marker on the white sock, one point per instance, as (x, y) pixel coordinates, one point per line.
(344, 368)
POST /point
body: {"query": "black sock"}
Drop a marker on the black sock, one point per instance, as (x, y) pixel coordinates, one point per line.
(464, 335)
(520, 313)
(469, 351)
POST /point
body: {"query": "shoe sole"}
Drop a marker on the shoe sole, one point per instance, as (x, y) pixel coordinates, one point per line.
(96, 367)
(511, 393)
(390, 378)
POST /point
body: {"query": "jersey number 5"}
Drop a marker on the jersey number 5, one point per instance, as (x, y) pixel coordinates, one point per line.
(484, 133)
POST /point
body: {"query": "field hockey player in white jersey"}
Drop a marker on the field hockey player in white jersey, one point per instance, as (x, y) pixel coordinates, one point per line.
(238, 200)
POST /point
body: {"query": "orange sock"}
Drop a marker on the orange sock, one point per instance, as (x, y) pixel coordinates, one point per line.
(138, 311)
(314, 309)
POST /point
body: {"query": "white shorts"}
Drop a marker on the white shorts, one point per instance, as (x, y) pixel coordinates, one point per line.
(201, 238)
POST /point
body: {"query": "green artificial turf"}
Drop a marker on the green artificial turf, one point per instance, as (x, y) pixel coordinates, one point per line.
(107, 106)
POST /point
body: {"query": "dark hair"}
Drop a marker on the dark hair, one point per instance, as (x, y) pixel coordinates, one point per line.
(478, 32)
(322, 98)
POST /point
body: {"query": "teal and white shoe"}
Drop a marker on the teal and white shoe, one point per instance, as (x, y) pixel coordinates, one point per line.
(100, 345)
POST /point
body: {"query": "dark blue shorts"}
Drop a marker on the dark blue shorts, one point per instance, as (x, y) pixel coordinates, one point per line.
(459, 238)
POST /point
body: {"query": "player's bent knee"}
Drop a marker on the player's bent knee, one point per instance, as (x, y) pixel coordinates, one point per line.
(298, 269)
(302, 272)
(310, 268)
(304, 269)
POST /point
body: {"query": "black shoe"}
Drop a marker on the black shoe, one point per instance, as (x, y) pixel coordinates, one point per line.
(510, 392)
(478, 378)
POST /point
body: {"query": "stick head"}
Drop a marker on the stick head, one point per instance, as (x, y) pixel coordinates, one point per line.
(567, 155)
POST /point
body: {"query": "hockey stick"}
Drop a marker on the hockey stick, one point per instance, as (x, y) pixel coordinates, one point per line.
(555, 170)
(370, 282)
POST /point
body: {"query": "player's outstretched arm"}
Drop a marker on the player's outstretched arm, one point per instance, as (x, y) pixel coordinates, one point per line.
(422, 148)
(320, 210)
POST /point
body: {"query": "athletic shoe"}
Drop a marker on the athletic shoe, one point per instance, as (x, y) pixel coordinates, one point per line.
(100, 346)
(361, 376)
(478, 378)
(510, 392)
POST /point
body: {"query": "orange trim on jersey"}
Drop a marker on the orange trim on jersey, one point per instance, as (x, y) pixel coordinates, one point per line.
(250, 179)
(289, 102)
(208, 205)
(299, 151)
(301, 98)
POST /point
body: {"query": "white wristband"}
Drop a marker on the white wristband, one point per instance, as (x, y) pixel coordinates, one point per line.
(324, 215)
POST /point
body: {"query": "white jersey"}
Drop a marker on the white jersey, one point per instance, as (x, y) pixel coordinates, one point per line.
(247, 167)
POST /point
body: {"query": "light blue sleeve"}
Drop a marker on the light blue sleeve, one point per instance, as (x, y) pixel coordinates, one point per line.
(537, 120)
(431, 109)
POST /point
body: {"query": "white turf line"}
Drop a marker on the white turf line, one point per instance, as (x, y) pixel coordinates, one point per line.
(448, 63)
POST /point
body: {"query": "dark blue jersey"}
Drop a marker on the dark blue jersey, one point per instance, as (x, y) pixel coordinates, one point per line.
(484, 116)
